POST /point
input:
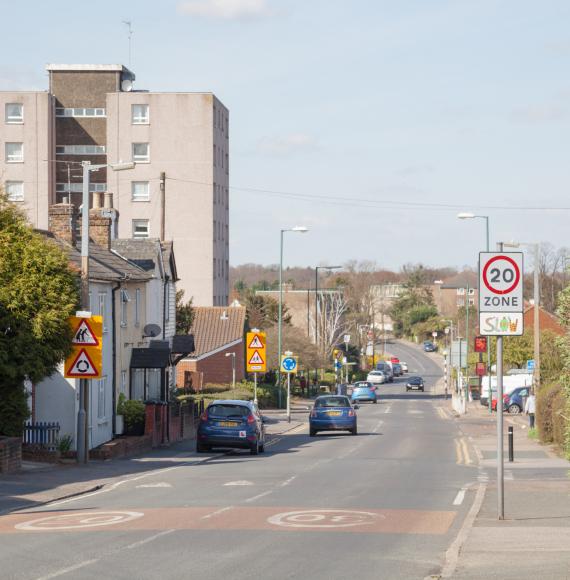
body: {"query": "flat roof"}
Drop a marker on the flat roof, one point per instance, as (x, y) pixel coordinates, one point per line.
(89, 67)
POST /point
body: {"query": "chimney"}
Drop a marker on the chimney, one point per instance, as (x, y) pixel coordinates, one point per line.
(100, 228)
(62, 222)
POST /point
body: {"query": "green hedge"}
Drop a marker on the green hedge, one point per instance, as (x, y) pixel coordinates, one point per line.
(550, 408)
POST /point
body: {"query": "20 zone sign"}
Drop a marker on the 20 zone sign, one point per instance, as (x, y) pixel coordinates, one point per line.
(501, 274)
(500, 287)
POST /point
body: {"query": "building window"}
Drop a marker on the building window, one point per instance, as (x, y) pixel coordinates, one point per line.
(471, 301)
(125, 299)
(14, 152)
(78, 187)
(103, 309)
(15, 190)
(460, 302)
(140, 191)
(140, 229)
(124, 383)
(471, 291)
(141, 152)
(79, 112)
(461, 292)
(102, 398)
(137, 306)
(80, 150)
(139, 114)
(14, 113)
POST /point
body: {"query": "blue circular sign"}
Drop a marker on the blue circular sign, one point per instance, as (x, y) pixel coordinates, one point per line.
(289, 363)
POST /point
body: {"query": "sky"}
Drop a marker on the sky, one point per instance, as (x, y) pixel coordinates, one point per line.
(371, 122)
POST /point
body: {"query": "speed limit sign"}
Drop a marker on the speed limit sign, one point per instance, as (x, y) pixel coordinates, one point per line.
(501, 293)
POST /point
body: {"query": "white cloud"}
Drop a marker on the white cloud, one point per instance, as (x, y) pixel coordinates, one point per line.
(287, 144)
(224, 9)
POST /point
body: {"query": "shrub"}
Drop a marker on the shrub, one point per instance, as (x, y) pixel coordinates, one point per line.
(547, 404)
(134, 417)
(64, 443)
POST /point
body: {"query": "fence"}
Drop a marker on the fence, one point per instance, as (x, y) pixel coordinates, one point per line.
(41, 433)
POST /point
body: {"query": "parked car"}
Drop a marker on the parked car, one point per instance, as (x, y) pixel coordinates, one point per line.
(516, 400)
(363, 391)
(404, 366)
(429, 346)
(394, 359)
(235, 424)
(397, 369)
(376, 377)
(386, 368)
(332, 413)
(415, 383)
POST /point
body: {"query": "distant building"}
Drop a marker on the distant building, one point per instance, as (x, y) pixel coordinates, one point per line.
(546, 320)
(179, 141)
(455, 292)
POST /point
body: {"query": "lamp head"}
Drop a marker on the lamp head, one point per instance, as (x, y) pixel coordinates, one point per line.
(465, 215)
(300, 229)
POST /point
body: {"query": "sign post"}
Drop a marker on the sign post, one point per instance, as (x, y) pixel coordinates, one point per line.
(289, 366)
(256, 356)
(500, 314)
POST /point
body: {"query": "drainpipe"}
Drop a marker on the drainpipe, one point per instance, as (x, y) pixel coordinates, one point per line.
(114, 322)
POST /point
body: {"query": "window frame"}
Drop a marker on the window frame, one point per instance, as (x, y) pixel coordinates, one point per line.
(78, 112)
(76, 150)
(134, 228)
(140, 158)
(7, 157)
(139, 199)
(139, 120)
(20, 197)
(14, 120)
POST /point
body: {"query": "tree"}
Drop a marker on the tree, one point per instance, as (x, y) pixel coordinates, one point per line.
(38, 293)
(185, 313)
(263, 311)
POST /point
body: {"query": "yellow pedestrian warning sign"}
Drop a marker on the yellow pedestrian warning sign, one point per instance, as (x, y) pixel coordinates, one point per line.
(256, 355)
(85, 335)
(83, 366)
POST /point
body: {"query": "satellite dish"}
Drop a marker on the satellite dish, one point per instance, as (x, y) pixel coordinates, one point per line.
(127, 85)
(151, 330)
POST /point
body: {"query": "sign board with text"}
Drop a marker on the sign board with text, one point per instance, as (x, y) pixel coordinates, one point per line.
(256, 352)
(85, 360)
(501, 293)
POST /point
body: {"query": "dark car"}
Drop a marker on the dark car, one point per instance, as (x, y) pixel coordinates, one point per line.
(332, 413)
(397, 369)
(235, 424)
(429, 346)
(515, 400)
(415, 383)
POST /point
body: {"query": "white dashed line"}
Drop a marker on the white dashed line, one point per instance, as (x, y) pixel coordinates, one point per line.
(459, 497)
(258, 496)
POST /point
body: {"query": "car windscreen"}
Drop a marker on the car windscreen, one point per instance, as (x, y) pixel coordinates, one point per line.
(332, 402)
(416, 380)
(228, 410)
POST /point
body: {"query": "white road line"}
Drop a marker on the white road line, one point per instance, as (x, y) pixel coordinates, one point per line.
(378, 425)
(217, 512)
(287, 481)
(459, 497)
(258, 496)
(147, 540)
(63, 571)
(388, 409)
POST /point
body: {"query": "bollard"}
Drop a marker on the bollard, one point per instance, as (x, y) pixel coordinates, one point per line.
(511, 441)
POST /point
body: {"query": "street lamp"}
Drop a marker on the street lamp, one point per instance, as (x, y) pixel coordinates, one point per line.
(300, 230)
(82, 440)
(469, 216)
(233, 355)
(536, 298)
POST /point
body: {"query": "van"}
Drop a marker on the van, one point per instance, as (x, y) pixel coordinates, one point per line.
(386, 368)
(510, 383)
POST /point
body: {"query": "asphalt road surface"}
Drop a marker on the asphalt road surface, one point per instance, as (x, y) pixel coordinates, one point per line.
(387, 503)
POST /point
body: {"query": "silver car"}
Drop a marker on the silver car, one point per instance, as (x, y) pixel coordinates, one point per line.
(376, 377)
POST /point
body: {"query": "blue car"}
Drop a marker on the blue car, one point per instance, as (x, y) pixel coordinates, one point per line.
(515, 400)
(235, 424)
(429, 346)
(332, 413)
(363, 391)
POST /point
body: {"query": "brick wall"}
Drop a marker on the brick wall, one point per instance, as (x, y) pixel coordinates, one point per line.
(10, 454)
(62, 222)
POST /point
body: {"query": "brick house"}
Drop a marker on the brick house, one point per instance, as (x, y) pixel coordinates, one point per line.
(218, 331)
(546, 320)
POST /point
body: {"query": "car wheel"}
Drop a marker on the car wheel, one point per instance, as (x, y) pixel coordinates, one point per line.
(354, 431)
(312, 432)
(375, 401)
(262, 447)
(255, 448)
(201, 448)
(514, 409)
(422, 389)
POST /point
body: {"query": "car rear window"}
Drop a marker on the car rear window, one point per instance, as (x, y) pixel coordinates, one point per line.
(228, 411)
(332, 402)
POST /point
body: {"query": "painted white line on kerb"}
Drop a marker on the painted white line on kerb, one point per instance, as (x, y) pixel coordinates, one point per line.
(63, 571)
(459, 497)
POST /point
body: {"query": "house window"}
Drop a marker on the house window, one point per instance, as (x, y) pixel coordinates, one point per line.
(137, 306)
(471, 301)
(140, 191)
(102, 398)
(14, 113)
(137, 384)
(140, 229)
(471, 291)
(124, 382)
(79, 112)
(103, 309)
(78, 187)
(153, 384)
(125, 299)
(80, 150)
(15, 190)
(460, 302)
(141, 152)
(14, 152)
(139, 114)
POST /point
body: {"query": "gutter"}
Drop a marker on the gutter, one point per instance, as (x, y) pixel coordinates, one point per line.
(114, 321)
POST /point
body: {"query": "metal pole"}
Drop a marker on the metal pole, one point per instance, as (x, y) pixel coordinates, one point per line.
(280, 322)
(289, 397)
(500, 457)
(536, 318)
(488, 341)
(255, 388)
(466, 391)
(511, 445)
(317, 320)
(82, 440)
(162, 205)
(234, 371)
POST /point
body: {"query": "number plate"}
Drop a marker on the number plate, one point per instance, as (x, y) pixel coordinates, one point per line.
(228, 424)
(335, 413)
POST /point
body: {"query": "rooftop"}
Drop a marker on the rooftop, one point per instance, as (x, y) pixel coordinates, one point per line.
(216, 326)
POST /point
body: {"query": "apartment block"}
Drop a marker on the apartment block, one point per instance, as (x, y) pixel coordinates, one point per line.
(179, 188)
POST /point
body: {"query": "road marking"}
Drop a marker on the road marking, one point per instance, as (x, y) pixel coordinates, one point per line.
(509, 475)
(217, 512)
(161, 484)
(442, 413)
(287, 481)
(468, 460)
(241, 482)
(323, 519)
(63, 571)
(258, 496)
(458, 452)
(148, 540)
(459, 497)
(78, 520)
(378, 425)
(414, 412)
(388, 409)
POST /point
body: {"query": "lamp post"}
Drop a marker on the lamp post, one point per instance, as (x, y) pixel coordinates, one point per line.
(301, 230)
(82, 423)
(468, 216)
(233, 355)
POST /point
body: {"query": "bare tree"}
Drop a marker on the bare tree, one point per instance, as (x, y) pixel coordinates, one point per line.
(332, 320)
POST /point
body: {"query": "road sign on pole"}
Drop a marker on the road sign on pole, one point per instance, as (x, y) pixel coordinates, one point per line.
(85, 360)
(289, 364)
(501, 293)
(256, 355)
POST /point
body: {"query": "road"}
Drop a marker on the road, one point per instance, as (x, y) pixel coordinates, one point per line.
(388, 503)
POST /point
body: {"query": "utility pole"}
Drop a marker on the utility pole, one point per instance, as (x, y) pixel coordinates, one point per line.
(536, 312)
(162, 205)
(500, 457)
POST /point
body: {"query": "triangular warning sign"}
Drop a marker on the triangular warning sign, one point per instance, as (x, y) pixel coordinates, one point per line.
(82, 366)
(256, 359)
(85, 335)
(256, 342)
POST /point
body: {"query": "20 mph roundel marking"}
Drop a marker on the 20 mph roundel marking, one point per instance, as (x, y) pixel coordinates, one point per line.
(324, 519)
(516, 278)
(78, 521)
